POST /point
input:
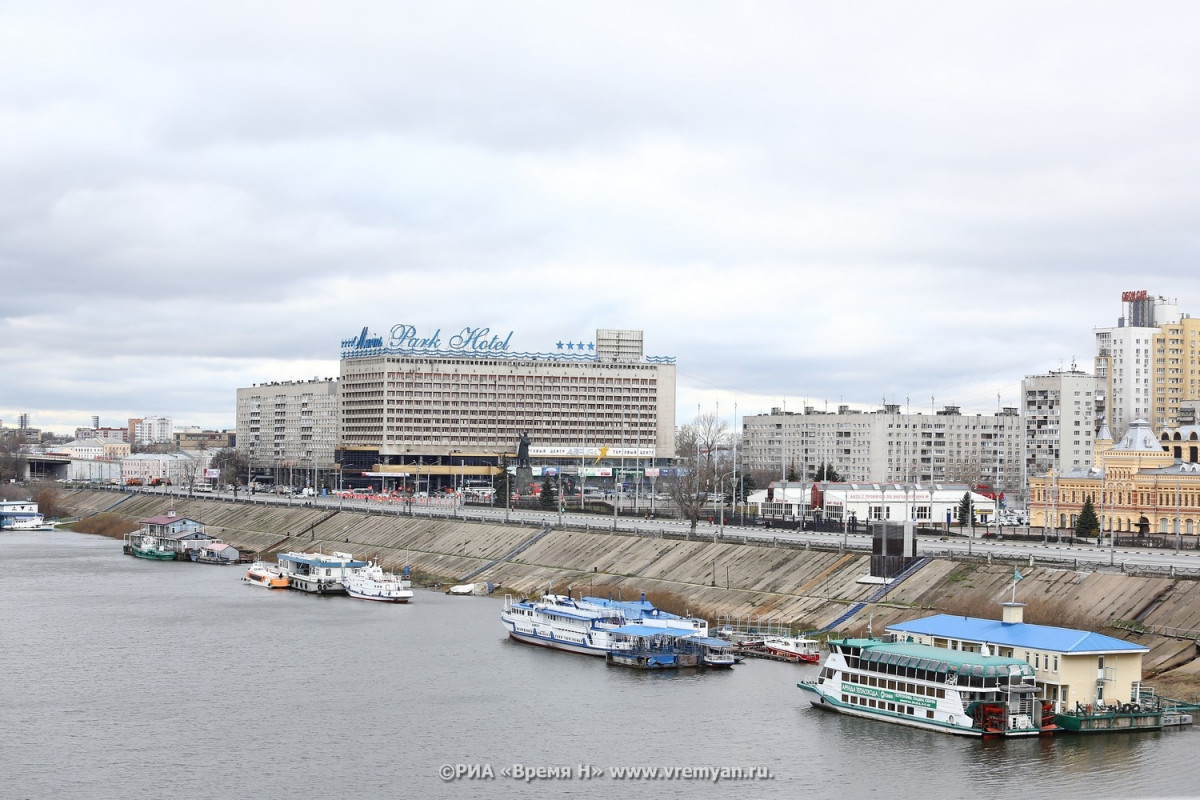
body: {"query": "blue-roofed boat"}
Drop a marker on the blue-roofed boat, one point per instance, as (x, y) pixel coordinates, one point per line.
(562, 623)
(16, 515)
(318, 573)
(654, 647)
(589, 625)
(933, 688)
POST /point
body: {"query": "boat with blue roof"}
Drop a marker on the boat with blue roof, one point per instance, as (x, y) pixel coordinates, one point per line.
(934, 688)
(588, 625)
(319, 573)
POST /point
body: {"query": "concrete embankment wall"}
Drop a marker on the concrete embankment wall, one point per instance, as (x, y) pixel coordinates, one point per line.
(805, 588)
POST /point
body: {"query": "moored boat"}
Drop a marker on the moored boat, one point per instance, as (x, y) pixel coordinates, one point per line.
(266, 575)
(151, 548)
(16, 515)
(934, 688)
(793, 648)
(563, 623)
(372, 583)
(318, 573)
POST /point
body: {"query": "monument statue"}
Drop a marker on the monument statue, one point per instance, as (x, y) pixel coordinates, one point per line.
(523, 450)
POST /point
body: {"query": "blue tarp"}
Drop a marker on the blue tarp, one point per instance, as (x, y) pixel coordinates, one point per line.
(646, 630)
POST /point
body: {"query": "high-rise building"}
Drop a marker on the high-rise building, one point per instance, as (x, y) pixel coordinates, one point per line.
(1176, 377)
(1062, 412)
(151, 430)
(1125, 358)
(288, 430)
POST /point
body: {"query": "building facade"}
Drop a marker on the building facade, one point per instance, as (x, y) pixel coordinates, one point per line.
(1125, 357)
(197, 439)
(151, 430)
(1175, 386)
(422, 403)
(888, 446)
(1062, 412)
(1073, 667)
(288, 430)
(1142, 485)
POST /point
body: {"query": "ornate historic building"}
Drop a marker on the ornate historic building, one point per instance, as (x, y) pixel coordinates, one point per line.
(1145, 485)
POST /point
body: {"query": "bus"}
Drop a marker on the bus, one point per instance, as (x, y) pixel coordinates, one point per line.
(202, 486)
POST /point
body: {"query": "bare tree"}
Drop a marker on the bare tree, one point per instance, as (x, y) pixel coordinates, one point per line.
(13, 463)
(703, 457)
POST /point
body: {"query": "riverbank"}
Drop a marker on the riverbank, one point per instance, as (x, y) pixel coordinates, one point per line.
(805, 588)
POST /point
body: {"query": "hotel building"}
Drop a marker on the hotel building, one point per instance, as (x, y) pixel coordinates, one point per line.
(431, 408)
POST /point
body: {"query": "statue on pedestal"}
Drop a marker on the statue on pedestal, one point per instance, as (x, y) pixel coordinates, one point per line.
(523, 450)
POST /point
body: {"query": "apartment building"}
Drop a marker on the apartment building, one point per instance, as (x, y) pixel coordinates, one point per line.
(888, 445)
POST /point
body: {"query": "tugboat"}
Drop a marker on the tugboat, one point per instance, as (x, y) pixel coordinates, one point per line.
(149, 547)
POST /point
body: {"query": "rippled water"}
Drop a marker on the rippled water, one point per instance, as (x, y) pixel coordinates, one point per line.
(125, 678)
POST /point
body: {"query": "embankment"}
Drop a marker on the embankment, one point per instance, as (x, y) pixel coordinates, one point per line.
(809, 589)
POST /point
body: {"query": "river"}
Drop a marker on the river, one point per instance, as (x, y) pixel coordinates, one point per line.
(125, 678)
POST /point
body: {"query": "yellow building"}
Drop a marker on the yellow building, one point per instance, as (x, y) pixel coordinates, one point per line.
(1176, 375)
(1074, 668)
(1142, 485)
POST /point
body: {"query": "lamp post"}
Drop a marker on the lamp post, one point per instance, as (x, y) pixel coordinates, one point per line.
(1178, 516)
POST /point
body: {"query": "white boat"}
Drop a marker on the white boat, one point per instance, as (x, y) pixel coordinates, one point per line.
(563, 623)
(590, 625)
(266, 575)
(793, 648)
(318, 573)
(471, 588)
(935, 688)
(22, 515)
(372, 583)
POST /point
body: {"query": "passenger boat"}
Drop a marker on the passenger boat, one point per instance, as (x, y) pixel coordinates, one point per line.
(372, 583)
(793, 648)
(589, 625)
(266, 575)
(151, 548)
(563, 623)
(319, 573)
(19, 515)
(921, 686)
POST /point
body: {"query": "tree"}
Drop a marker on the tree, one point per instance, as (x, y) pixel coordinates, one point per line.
(826, 473)
(966, 510)
(746, 485)
(13, 463)
(1088, 523)
(504, 480)
(547, 496)
(234, 466)
(704, 460)
(792, 476)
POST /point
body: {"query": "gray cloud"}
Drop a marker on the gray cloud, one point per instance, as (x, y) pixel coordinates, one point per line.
(795, 200)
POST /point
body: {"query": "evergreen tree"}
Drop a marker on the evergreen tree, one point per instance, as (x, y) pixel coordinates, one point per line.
(826, 472)
(746, 485)
(547, 496)
(1088, 523)
(792, 476)
(503, 482)
(966, 511)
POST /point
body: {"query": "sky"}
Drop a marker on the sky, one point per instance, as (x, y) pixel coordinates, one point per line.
(804, 203)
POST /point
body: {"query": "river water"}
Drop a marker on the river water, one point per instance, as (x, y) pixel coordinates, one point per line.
(124, 678)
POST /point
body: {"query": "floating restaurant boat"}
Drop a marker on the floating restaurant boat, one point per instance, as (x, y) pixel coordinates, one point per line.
(319, 573)
(267, 575)
(372, 583)
(151, 548)
(793, 648)
(921, 686)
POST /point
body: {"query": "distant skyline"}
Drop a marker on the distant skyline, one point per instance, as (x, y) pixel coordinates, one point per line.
(804, 203)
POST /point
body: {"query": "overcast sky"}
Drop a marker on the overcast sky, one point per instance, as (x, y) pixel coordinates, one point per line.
(804, 203)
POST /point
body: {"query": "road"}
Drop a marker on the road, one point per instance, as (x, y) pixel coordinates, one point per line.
(1082, 556)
